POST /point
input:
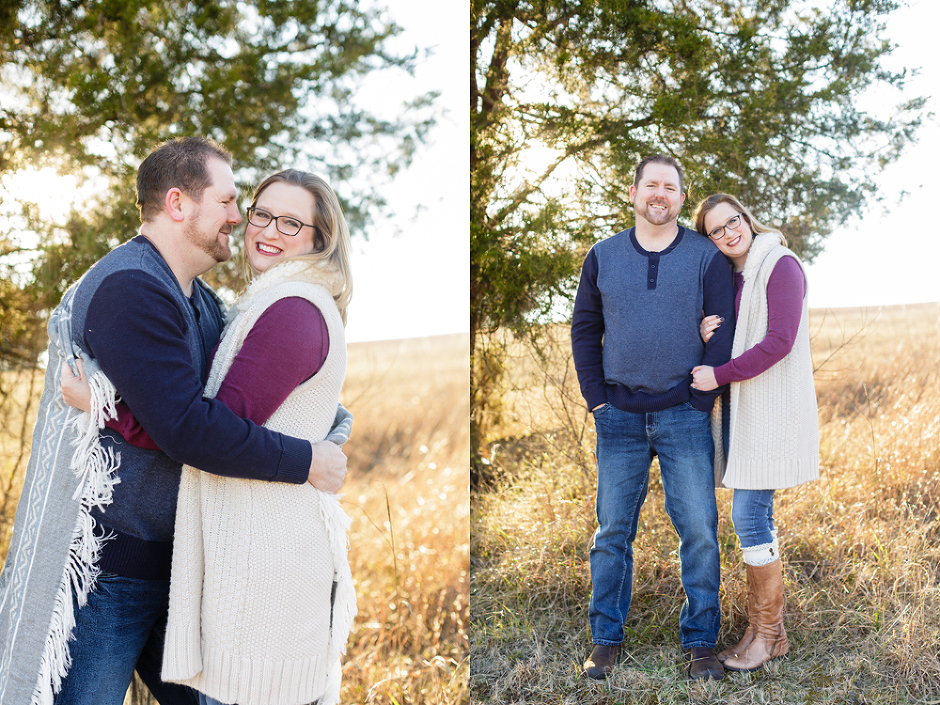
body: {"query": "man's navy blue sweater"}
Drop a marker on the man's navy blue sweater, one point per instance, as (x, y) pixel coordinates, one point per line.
(154, 345)
(635, 328)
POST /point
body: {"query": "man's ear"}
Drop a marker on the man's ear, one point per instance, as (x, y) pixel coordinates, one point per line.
(173, 202)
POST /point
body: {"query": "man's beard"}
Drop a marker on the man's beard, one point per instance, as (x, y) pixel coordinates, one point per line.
(212, 245)
(657, 217)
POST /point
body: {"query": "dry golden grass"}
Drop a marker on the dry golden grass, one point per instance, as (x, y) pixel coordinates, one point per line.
(861, 546)
(408, 496)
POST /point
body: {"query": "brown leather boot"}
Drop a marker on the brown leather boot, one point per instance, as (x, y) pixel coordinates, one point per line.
(704, 664)
(601, 661)
(751, 621)
(770, 638)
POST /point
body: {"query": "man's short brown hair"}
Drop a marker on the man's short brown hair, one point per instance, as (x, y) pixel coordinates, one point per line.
(177, 163)
(659, 159)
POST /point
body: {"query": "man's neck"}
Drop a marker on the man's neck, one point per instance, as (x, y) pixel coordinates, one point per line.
(655, 238)
(175, 256)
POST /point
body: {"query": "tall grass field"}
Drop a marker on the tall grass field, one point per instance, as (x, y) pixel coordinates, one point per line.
(407, 495)
(860, 546)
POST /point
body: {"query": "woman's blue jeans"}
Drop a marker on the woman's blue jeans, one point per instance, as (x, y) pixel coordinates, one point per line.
(206, 700)
(626, 444)
(752, 512)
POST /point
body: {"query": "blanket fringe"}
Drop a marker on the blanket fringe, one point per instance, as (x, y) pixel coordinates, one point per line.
(344, 604)
(96, 469)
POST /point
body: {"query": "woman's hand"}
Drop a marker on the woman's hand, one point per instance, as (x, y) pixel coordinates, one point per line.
(708, 326)
(75, 390)
(703, 378)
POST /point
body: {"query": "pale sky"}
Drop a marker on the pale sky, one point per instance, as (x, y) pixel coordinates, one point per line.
(417, 282)
(891, 254)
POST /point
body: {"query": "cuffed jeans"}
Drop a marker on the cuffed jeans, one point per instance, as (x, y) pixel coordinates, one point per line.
(626, 444)
(752, 512)
(121, 628)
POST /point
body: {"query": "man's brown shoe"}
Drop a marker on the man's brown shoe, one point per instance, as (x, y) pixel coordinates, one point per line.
(601, 661)
(704, 664)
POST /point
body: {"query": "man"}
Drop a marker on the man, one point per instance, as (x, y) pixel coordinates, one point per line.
(92, 545)
(635, 339)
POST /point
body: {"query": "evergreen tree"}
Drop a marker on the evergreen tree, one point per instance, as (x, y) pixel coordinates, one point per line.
(91, 86)
(755, 97)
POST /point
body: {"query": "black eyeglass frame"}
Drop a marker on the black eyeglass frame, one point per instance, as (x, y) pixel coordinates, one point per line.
(252, 210)
(739, 216)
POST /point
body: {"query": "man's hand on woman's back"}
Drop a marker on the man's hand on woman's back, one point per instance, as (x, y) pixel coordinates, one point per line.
(327, 467)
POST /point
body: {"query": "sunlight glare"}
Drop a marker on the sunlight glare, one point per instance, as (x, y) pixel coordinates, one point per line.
(537, 157)
(52, 193)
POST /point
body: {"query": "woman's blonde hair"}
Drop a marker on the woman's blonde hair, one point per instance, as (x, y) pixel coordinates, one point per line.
(331, 233)
(714, 200)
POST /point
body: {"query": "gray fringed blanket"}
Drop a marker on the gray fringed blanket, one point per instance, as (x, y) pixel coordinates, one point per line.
(53, 553)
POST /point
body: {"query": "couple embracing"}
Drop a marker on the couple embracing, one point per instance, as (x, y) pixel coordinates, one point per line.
(207, 448)
(667, 318)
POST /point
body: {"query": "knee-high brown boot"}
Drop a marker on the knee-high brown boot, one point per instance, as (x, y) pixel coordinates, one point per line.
(769, 637)
(751, 620)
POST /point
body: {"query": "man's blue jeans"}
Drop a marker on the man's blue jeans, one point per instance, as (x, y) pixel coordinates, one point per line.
(122, 627)
(626, 445)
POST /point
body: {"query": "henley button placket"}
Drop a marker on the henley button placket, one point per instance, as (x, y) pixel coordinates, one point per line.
(652, 271)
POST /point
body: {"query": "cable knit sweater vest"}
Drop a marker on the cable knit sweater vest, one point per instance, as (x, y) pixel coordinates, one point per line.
(774, 429)
(254, 562)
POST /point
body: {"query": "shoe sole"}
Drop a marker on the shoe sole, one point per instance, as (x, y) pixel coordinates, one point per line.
(709, 677)
(597, 676)
(783, 657)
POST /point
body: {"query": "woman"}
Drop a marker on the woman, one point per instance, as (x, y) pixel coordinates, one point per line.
(773, 437)
(261, 597)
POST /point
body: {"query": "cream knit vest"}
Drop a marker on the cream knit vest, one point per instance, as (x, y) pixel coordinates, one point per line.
(254, 562)
(774, 431)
